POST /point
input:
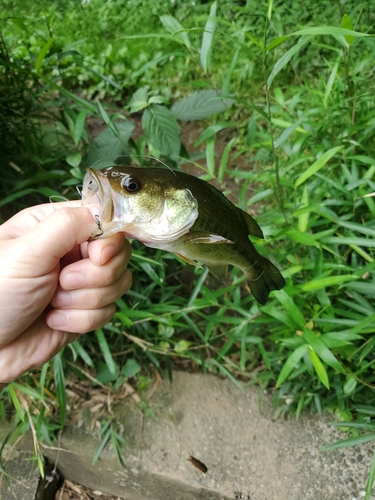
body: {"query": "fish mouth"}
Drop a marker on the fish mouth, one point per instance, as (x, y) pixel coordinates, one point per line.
(97, 191)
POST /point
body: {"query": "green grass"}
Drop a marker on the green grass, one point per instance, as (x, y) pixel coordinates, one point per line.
(298, 98)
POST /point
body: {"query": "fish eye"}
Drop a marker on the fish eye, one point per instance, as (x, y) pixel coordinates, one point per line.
(131, 184)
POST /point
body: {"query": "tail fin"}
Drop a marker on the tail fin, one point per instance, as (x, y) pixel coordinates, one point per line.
(269, 280)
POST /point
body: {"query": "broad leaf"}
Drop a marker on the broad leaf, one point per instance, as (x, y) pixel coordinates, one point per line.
(199, 105)
(162, 130)
(107, 148)
(176, 29)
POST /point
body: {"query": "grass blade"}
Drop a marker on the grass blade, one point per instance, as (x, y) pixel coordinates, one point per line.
(106, 351)
(322, 351)
(176, 30)
(207, 38)
(318, 367)
(370, 479)
(317, 165)
(291, 363)
(330, 83)
(60, 386)
(346, 443)
(283, 61)
(329, 281)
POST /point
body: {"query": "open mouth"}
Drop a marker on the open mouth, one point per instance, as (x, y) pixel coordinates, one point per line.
(96, 191)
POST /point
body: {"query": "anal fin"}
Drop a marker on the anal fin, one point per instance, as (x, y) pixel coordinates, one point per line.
(219, 271)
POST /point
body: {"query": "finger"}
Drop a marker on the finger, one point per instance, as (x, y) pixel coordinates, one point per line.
(93, 298)
(100, 251)
(80, 320)
(27, 219)
(55, 236)
(85, 274)
(34, 347)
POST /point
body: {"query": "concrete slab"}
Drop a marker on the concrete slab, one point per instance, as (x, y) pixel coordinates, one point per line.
(23, 476)
(248, 455)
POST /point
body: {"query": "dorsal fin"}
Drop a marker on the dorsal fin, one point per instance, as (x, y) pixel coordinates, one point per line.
(252, 225)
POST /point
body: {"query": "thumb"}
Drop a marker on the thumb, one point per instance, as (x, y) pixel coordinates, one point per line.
(56, 235)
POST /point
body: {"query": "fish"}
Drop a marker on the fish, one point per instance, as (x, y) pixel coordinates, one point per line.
(182, 214)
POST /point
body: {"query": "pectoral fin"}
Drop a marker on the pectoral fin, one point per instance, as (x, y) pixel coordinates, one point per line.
(207, 238)
(219, 271)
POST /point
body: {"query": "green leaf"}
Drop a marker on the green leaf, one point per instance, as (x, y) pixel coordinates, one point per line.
(322, 350)
(287, 133)
(176, 29)
(283, 61)
(346, 23)
(79, 126)
(349, 385)
(303, 218)
(279, 316)
(211, 131)
(329, 30)
(27, 390)
(182, 346)
(103, 113)
(130, 368)
(207, 38)
(276, 42)
(303, 238)
(317, 165)
(162, 130)
(42, 53)
(330, 83)
(15, 196)
(109, 147)
(210, 156)
(329, 281)
(74, 160)
(361, 325)
(84, 354)
(60, 386)
(224, 159)
(104, 347)
(200, 104)
(319, 368)
(102, 445)
(346, 443)
(338, 240)
(370, 479)
(139, 100)
(290, 307)
(291, 363)
(16, 402)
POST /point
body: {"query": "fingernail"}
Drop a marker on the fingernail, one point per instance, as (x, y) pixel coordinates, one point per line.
(57, 320)
(75, 280)
(107, 253)
(62, 299)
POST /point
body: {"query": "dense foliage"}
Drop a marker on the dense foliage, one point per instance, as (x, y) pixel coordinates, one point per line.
(292, 85)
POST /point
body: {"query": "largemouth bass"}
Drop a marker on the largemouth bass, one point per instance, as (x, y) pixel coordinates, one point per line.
(184, 215)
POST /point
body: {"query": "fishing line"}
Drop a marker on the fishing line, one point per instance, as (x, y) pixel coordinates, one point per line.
(57, 199)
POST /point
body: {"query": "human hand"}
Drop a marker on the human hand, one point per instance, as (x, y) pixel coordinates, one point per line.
(54, 285)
